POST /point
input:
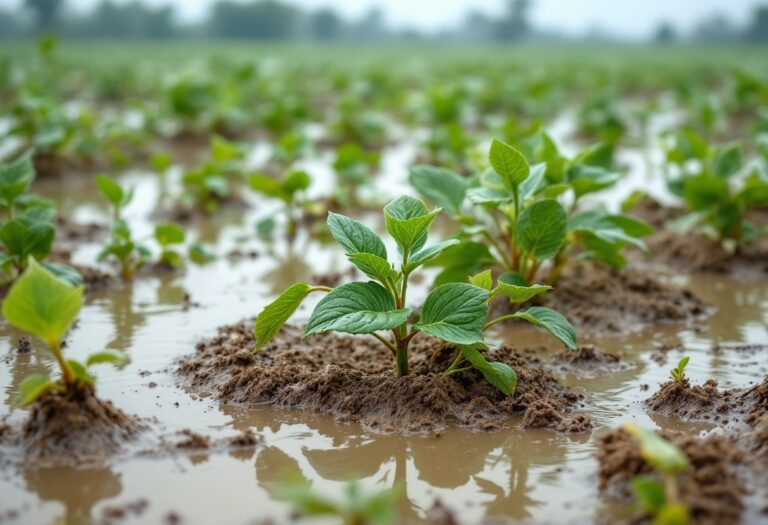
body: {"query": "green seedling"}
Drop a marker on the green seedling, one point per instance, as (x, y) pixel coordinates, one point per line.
(354, 168)
(210, 184)
(518, 224)
(45, 306)
(354, 508)
(290, 190)
(660, 498)
(678, 373)
(456, 313)
(28, 226)
(167, 236)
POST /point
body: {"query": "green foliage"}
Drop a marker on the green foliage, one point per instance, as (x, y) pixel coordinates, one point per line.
(289, 190)
(45, 306)
(456, 313)
(168, 235)
(208, 185)
(354, 167)
(517, 214)
(678, 373)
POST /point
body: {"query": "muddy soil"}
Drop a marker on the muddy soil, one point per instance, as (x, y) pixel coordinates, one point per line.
(711, 488)
(94, 278)
(706, 403)
(352, 378)
(598, 299)
(586, 362)
(73, 428)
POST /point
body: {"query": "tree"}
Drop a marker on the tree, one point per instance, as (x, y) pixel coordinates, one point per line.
(515, 25)
(325, 25)
(758, 28)
(45, 13)
(665, 33)
(264, 19)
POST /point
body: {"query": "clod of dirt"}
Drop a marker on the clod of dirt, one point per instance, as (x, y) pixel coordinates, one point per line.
(695, 252)
(75, 427)
(352, 378)
(588, 361)
(710, 488)
(67, 230)
(702, 403)
(547, 413)
(596, 298)
(247, 438)
(193, 440)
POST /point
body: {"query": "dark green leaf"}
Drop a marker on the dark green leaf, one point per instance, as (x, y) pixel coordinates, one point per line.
(443, 187)
(354, 236)
(541, 229)
(456, 313)
(554, 322)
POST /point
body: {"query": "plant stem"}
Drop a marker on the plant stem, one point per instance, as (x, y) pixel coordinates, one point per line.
(401, 359)
(455, 363)
(401, 332)
(66, 371)
(498, 320)
(670, 486)
(386, 343)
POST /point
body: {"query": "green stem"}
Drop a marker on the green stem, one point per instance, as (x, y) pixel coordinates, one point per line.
(498, 320)
(401, 332)
(456, 371)
(67, 375)
(386, 343)
(401, 359)
(455, 363)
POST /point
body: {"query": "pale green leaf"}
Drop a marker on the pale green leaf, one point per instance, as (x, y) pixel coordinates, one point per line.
(554, 322)
(508, 163)
(354, 236)
(274, 316)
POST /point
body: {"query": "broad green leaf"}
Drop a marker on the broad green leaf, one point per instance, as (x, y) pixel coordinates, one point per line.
(650, 493)
(373, 266)
(267, 186)
(22, 239)
(634, 226)
(408, 221)
(15, 178)
(160, 162)
(508, 163)
(354, 236)
(541, 229)
(42, 304)
(443, 187)
(64, 272)
(554, 322)
(727, 161)
(499, 375)
(33, 387)
(455, 313)
(482, 280)
(519, 294)
(169, 233)
(296, 181)
(356, 308)
(701, 192)
(114, 357)
(274, 316)
(111, 190)
(485, 195)
(590, 179)
(81, 373)
(657, 451)
(609, 228)
(534, 183)
(223, 150)
(427, 254)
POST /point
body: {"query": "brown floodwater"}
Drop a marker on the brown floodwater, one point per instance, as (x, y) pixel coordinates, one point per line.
(526, 475)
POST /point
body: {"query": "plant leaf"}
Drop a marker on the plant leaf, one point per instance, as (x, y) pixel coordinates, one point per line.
(508, 163)
(296, 181)
(455, 313)
(274, 316)
(408, 221)
(42, 304)
(114, 357)
(554, 322)
(112, 191)
(482, 280)
(15, 178)
(33, 387)
(81, 373)
(657, 451)
(425, 255)
(541, 229)
(650, 493)
(356, 308)
(517, 293)
(443, 187)
(169, 233)
(373, 266)
(354, 236)
(498, 374)
(704, 191)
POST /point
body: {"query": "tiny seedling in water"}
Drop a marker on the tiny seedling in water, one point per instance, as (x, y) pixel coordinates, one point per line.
(45, 306)
(289, 190)
(660, 498)
(456, 313)
(678, 373)
(354, 508)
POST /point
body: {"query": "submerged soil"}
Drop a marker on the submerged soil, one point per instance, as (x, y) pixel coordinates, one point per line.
(352, 378)
(73, 428)
(587, 361)
(596, 298)
(711, 487)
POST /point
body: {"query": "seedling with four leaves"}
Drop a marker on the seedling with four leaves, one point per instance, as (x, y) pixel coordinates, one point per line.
(45, 306)
(456, 313)
(678, 373)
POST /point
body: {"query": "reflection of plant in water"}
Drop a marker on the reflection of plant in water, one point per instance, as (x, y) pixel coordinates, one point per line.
(79, 490)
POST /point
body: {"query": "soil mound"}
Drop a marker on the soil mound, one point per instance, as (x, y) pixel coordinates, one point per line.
(588, 361)
(75, 427)
(596, 298)
(695, 252)
(352, 378)
(711, 487)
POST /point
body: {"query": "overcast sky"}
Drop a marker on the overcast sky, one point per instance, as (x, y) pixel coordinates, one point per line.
(631, 18)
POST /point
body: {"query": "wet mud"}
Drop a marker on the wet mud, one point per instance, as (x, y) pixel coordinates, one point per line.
(353, 379)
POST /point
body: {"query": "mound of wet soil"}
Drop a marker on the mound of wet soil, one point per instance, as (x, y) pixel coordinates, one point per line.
(587, 361)
(75, 427)
(711, 487)
(596, 298)
(352, 378)
(706, 403)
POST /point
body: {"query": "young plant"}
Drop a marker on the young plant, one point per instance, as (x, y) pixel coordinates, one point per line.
(27, 228)
(518, 224)
(456, 313)
(678, 373)
(45, 306)
(167, 236)
(354, 168)
(660, 498)
(355, 508)
(289, 190)
(210, 184)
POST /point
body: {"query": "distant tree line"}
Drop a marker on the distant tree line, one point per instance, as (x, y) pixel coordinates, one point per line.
(282, 20)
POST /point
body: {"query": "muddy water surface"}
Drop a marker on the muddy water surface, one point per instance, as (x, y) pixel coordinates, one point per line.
(527, 475)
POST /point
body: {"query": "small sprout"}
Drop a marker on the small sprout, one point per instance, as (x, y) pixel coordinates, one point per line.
(456, 313)
(199, 254)
(289, 190)
(168, 235)
(678, 373)
(45, 306)
(118, 197)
